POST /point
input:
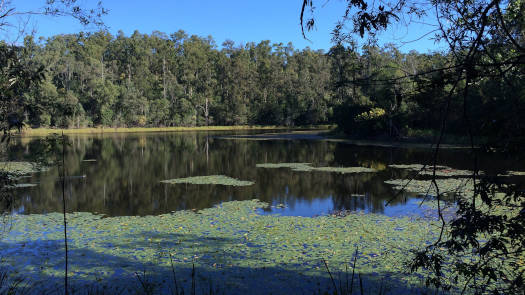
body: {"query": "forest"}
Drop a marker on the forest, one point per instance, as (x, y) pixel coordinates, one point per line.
(97, 79)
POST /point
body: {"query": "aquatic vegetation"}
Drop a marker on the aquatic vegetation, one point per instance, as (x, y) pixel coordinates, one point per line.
(210, 179)
(294, 166)
(408, 166)
(20, 168)
(306, 167)
(231, 243)
(442, 171)
(426, 187)
(279, 206)
(344, 170)
(448, 172)
(516, 173)
(24, 185)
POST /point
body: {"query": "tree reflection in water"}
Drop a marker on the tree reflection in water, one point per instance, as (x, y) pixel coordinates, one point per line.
(123, 174)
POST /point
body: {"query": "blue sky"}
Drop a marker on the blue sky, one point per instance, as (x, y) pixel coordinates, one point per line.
(241, 21)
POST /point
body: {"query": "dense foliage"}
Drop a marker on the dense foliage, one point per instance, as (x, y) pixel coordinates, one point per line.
(177, 80)
(180, 80)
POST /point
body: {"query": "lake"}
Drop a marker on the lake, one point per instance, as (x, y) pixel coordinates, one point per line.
(120, 174)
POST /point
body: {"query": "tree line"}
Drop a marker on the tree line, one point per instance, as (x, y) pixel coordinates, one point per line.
(96, 79)
(172, 80)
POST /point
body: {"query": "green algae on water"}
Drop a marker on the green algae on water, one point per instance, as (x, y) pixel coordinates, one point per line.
(210, 179)
(306, 167)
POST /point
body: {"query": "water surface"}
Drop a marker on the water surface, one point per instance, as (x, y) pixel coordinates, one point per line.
(120, 174)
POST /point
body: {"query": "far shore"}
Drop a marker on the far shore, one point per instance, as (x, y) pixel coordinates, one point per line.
(100, 130)
(313, 132)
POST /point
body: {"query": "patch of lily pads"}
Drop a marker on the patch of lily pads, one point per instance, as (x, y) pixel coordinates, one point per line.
(294, 166)
(307, 167)
(25, 185)
(514, 173)
(20, 168)
(210, 179)
(412, 166)
(242, 251)
(428, 170)
(450, 186)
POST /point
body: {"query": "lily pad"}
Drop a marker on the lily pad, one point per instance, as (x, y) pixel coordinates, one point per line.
(306, 167)
(210, 179)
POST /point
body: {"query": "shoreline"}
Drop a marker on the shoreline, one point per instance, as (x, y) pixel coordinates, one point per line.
(102, 130)
(317, 132)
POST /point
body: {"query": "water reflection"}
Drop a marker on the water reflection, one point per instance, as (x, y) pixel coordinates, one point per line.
(122, 174)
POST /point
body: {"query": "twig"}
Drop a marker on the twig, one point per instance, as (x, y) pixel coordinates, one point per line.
(174, 276)
(331, 278)
(193, 279)
(353, 270)
(361, 284)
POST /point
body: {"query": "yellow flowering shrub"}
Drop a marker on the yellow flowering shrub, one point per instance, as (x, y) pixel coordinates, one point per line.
(372, 114)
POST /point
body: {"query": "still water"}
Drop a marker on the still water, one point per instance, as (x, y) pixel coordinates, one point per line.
(120, 174)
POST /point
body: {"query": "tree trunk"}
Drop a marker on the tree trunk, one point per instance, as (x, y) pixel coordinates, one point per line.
(102, 67)
(129, 74)
(206, 112)
(196, 114)
(164, 77)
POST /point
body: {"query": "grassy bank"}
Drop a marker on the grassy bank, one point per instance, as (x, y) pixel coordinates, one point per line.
(47, 131)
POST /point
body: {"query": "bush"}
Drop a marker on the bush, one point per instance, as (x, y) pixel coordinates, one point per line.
(361, 121)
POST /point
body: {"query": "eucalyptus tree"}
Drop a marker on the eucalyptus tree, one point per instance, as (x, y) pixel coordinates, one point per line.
(10, 16)
(230, 66)
(309, 92)
(161, 65)
(197, 75)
